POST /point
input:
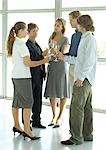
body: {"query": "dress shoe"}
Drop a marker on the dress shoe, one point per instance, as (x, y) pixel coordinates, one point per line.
(88, 140)
(67, 142)
(16, 130)
(58, 124)
(38, 126)
(30, 137)
(51, 124)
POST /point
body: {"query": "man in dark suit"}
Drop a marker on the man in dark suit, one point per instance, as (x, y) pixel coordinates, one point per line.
(38, 74)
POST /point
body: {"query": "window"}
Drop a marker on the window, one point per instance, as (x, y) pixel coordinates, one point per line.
(99, 92)
(33, 4)
(9, 81)
(0, 74)
(100, 24)
(42, 12)
(45, 22)
(83, 3)
(0, 33)
(0, 4)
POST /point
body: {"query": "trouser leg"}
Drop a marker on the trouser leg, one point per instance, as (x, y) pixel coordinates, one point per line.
(71, 79)
(78, 103)
(37, 105)
(88, 118)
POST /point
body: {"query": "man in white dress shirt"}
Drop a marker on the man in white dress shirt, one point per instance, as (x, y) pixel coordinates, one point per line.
(81, 113)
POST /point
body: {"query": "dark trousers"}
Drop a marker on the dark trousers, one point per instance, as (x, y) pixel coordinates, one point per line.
(37, 105)
(81, 113)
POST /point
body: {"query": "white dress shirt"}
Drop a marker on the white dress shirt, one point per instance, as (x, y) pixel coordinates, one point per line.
(85, 62)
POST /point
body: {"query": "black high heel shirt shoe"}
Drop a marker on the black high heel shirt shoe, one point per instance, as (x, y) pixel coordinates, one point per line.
(30, 137)
(17, 130)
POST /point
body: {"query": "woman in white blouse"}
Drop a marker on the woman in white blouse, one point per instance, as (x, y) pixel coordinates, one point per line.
(21, 77)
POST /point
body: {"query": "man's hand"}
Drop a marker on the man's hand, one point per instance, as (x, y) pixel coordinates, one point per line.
(59, 56)
(78, 83)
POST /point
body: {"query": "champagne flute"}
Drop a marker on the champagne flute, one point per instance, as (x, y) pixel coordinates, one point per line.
(51, 45)
(57, 49)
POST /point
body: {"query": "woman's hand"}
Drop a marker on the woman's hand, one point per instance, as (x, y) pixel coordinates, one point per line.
(45, 52)
(47, 58)
(53, 51)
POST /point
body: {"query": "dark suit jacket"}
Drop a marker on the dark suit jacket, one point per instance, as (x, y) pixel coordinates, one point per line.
(36, 54)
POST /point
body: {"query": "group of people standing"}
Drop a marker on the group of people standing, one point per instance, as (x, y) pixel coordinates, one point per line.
(29, 72)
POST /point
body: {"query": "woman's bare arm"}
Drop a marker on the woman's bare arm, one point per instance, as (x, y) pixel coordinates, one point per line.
(28, 62)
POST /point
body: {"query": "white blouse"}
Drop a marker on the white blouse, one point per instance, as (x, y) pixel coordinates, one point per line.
(20, 50)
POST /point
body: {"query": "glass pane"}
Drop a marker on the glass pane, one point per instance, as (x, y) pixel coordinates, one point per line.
(0, 33)
(0, 4)
(46, 26)
(31, 4)
(9, 81)
(99, 92)
(69, 31)
(45, 22)
(83, 3)
(0, 75)
(98, 18)
(100, 25)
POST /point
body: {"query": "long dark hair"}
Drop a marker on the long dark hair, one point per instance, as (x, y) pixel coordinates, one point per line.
(63, 28)
(11, 37)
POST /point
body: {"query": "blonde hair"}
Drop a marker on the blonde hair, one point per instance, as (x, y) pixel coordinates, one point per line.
(75, 14)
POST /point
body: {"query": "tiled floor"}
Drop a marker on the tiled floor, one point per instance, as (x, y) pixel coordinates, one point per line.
(50, 138)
